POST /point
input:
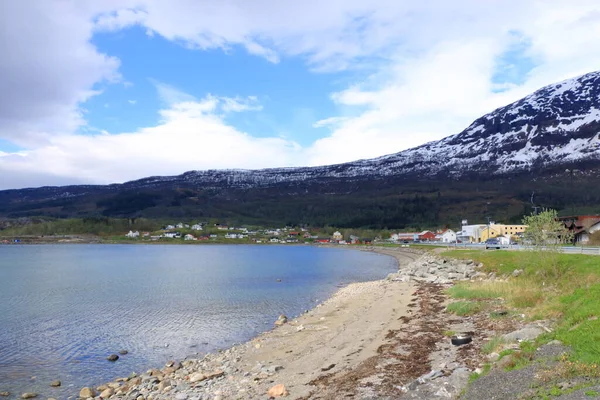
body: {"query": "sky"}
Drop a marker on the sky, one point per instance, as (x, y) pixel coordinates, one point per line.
(96, 92)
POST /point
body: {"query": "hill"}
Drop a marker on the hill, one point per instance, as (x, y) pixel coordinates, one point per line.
(547, 143)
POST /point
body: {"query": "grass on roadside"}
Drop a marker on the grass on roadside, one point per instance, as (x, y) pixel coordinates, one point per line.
(563, 287)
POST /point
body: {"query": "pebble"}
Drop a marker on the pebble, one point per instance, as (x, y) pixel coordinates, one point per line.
(281, 320)
(112, 357)
(55, 383)
(278, 391)
(4, 394)
(123, 352)
(29, 395)
(87, 393)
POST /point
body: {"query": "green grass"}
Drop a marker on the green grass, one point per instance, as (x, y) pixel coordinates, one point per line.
(562, 287)
(492, 345)
(462, 308)
(592, 393)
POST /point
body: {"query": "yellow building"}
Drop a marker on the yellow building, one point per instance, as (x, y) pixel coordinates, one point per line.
(495, 230)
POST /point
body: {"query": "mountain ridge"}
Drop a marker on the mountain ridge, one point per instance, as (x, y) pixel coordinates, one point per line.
(544, 136)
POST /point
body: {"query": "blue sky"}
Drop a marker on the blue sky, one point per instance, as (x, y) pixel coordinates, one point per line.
(101, 92)
(292, 97)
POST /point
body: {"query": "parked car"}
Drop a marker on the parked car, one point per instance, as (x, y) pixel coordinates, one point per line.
(492, 243)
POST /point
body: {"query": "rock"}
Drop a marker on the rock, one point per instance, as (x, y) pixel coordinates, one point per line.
(272, 369)
(327, 368)
(430, 376)
(493, 357)
(278, 391)
(56, 383)
(443, 392)
(181, 396)
(529, 332)
(123, 352)
(4, 394)
(199, 377)
(517, 272)
(281, 320)
(87, 393)
(29, 395)
(107, 393)
(112, 357)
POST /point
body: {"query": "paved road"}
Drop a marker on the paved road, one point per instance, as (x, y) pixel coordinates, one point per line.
(480, 246)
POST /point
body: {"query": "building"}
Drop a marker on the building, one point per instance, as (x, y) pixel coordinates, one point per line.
(337, 236)
(470, 233)
(189, 237)
(494, 230)
(446, 236)
(426, 236)
(582, 226)
(196, 227)
(405, 236)
(133, 234)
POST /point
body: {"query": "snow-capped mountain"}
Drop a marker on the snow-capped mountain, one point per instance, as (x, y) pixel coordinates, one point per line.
(552, 130)
(558, 124)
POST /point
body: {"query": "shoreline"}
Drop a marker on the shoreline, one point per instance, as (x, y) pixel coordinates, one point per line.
(344, 344)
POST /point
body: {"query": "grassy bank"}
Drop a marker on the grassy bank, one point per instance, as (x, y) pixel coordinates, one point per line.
(564, 288)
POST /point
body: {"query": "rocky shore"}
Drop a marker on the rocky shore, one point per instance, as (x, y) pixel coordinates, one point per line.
(372, 340)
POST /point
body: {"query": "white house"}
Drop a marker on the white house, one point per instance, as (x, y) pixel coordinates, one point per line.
(169, 227)
(470, 233)
(337, 235)
(235, 236)
(189, 237)
(447, 236)
(171, 235)
(196, 227)
(274, 240)
(133, 234)
(179, 225)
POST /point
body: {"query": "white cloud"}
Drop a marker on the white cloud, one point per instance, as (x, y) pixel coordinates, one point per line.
(429, 67)
(329, 122)
(239, 104)
(132, 102)
(48, 68)
(189, 134)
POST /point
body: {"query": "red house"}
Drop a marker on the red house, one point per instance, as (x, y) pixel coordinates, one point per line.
(426, 236)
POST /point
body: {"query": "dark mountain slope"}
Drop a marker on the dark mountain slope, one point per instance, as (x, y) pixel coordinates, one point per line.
(547, 142)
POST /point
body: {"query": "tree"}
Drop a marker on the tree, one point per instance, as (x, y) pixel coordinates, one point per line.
(544, 229)
(546, 234)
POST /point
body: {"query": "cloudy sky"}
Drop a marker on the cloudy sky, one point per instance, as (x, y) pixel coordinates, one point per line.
(114, 90)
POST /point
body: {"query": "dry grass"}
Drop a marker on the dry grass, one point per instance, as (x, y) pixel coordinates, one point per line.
(566, 369)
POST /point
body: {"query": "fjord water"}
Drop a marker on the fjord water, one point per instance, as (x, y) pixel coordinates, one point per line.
(65, 308)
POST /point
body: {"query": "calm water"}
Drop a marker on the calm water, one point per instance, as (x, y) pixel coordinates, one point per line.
(65, 308)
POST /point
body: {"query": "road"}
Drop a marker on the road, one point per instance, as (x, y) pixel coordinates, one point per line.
(591, 250)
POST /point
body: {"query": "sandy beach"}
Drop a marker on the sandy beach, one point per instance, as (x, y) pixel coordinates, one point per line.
(369, 340)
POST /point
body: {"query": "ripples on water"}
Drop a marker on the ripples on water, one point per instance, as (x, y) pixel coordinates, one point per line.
(65, 308)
